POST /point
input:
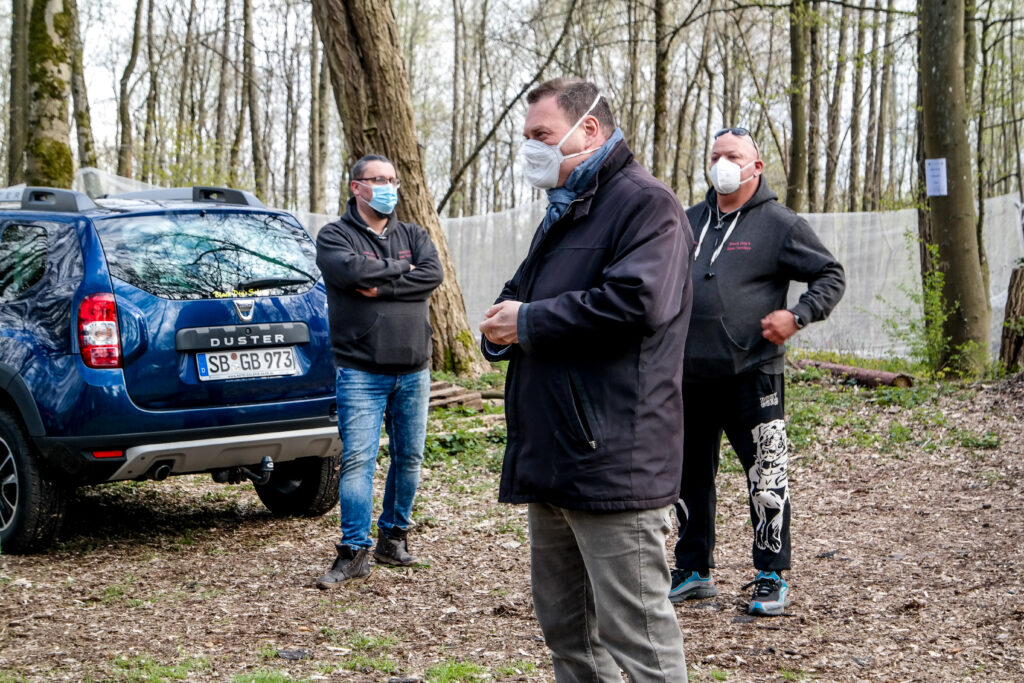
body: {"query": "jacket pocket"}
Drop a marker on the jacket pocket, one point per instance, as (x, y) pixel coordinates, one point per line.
(579, 411)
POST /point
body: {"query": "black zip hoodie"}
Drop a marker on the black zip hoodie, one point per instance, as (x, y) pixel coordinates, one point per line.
(743, 274)
(389, 333)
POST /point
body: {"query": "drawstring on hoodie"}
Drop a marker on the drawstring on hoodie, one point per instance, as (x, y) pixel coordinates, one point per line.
(725, 237)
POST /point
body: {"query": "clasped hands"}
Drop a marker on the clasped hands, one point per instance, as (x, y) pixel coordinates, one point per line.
(500, 324)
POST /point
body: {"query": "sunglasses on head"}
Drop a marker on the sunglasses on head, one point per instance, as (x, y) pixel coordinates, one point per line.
(739, 132)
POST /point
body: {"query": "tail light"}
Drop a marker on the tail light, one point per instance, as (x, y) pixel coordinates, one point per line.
(98, 336)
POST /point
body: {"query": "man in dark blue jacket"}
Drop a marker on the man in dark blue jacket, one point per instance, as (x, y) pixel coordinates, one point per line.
(749, 247)
(593, 324)
(379, 274)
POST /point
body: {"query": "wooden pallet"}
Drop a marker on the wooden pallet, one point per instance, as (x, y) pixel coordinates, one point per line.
(443, 394)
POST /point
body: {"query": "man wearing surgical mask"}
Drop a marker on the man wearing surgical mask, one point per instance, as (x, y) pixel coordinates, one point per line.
(748, 249)
(379, 274)
(593, 324)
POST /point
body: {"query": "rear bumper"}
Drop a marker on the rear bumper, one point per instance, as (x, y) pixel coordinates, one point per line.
(186, 451)
(203, 455)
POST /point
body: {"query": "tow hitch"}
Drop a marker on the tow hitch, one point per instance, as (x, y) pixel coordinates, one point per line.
(236, 475)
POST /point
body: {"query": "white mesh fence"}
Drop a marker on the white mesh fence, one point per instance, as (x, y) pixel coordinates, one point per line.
(878, 251)
(882, 268)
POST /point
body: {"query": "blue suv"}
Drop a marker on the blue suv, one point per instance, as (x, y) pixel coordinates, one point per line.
(156, 333)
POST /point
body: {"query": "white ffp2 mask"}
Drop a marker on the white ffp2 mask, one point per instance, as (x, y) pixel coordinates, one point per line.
(541, 162)
(725, 176)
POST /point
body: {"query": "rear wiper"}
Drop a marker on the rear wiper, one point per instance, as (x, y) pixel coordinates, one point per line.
(268, 282)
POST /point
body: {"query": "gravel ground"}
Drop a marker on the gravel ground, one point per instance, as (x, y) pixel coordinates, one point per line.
(907, 567)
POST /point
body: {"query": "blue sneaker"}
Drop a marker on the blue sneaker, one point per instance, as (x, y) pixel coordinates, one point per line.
(689, 585)
(771, 594)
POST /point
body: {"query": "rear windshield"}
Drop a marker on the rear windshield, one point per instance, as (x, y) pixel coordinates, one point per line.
(209, 254)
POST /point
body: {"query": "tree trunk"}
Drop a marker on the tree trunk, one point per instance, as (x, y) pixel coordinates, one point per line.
(372, 90)
(1011, 350)
(48, 141)
(80, 98)
(863, 376)
(814, 108)
(223, 84)
(945, 137)
(149, 133)
(853, 191)
(17, 126)
(323, 121)
(884, 98)
(1018, 157)
(259, 162)
(456, 140)
(316, 188)
(796, 188)
(183, 130)
(661, 61)
(124, 120)
(870, 189)
(834, 108)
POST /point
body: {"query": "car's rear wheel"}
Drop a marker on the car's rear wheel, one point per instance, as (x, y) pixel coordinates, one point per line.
(31, 505)
(306, 487)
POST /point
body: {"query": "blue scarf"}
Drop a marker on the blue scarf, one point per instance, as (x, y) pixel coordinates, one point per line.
(559, 198)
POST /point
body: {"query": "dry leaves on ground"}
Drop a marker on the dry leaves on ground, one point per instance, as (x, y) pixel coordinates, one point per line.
(907, 567)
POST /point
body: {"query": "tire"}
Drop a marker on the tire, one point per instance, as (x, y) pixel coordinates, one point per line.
(307, 487)
(31, 505)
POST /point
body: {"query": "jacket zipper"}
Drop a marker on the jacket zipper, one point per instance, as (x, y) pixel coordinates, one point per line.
(581, 415)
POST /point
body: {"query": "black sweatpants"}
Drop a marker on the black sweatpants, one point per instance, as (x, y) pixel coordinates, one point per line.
(749, 409)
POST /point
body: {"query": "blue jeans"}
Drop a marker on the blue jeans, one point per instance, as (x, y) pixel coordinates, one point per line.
(366, 399)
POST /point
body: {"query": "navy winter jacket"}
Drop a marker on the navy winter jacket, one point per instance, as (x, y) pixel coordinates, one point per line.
(594, 401)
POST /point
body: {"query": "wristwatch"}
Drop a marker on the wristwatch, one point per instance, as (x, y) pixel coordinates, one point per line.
(800, 322)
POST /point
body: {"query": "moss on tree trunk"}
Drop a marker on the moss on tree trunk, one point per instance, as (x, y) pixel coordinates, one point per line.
(48, 148)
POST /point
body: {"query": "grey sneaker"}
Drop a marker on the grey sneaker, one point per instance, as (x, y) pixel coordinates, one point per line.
(349, 564)
(688, 584)
(771, 594)
(393, 548)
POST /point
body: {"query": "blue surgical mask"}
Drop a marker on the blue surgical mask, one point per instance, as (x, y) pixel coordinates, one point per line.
(385, 197)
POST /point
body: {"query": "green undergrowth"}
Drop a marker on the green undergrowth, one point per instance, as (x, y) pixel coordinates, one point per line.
(488, 380)
(463, 436)
(823, 410)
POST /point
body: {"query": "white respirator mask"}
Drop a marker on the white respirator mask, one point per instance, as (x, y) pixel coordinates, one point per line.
(725, 176)
(541, 162)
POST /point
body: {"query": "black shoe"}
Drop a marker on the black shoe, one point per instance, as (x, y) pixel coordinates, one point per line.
(350, 564)
(393, 548)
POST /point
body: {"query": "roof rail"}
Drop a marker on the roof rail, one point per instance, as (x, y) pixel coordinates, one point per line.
(200, 194)
(47, 199)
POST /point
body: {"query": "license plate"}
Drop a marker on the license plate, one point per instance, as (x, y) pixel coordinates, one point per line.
(268, 362)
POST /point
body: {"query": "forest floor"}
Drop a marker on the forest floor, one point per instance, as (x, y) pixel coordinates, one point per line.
(908, 543)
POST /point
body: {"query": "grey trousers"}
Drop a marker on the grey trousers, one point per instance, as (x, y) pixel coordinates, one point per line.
(600, 591)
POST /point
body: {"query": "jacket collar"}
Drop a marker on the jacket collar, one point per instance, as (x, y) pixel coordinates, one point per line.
(617, 159)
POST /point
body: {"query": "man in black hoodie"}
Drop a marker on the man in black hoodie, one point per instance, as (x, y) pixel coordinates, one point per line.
(379, 274)
(593, 324)
(748, 249)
